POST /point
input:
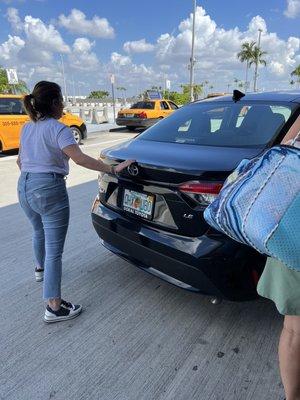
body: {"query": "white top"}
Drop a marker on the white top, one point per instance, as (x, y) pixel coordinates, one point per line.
(42, 143)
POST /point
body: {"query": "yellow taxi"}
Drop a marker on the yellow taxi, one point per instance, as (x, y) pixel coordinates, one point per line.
(13, 117)
(145, 113)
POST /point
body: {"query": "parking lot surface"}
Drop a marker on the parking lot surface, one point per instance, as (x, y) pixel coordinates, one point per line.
(138, 337)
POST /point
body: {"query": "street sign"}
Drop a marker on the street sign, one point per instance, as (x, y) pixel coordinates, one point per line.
(168, 84)
(112, 79)
(12, 76)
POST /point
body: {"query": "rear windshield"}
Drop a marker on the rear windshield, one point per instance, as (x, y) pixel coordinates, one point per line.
(11, 106)
(221, 124)
(148, 105)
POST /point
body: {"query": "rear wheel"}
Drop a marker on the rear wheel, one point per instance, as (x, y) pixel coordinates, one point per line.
(77, 134)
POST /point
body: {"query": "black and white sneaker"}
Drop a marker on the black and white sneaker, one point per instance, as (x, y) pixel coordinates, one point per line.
(66, 311)
(39, 274)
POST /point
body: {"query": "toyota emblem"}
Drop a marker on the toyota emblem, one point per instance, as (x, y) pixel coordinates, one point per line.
(133, 170)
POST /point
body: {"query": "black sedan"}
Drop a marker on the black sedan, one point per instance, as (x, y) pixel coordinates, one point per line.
(152, 214)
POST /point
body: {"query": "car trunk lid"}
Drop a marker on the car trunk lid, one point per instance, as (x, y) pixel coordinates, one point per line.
(168, 182)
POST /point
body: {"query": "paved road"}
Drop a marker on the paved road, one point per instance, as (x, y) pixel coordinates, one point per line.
(138, 338)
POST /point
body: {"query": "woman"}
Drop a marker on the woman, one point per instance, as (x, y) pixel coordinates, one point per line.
(45, 148)
(282, 285)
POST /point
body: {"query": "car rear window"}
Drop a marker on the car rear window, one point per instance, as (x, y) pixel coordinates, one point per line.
(221, 124)
(11, 107)
(148, 105)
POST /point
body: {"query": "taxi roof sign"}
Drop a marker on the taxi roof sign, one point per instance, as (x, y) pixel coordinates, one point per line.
(154, 95)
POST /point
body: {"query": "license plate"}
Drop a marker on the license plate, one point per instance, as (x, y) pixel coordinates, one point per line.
(140, 204)
(129, 115)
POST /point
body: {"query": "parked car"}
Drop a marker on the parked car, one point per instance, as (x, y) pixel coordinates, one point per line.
(13, 117)
(145, 113)
(152, 213)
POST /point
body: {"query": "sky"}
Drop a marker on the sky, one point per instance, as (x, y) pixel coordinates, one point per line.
(146, 43)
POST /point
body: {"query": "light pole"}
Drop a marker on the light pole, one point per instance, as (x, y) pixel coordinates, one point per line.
(256, 61)
(112, 81)
(192, 59)
(64, 78)
(74, 94)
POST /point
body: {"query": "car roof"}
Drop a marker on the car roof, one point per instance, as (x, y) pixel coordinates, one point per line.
(287, 96)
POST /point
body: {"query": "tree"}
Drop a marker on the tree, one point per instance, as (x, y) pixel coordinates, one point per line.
(257, 59)
(296, 73)
(98, 94)
(198, 90)
(238, 83)
(179, 98)
(246, 55)
(5, 87)
(122, 89)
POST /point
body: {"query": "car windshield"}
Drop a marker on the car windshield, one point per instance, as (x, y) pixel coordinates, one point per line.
(221, 124)
(148, 105)
(11, 107)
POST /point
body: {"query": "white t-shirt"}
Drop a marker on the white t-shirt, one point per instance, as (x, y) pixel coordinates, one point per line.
(42, 143)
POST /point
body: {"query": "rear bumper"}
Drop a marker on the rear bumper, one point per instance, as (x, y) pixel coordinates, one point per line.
(209, 265)
(137, 122)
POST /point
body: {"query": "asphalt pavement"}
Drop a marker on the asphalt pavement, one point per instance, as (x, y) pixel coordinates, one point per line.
(138, 337)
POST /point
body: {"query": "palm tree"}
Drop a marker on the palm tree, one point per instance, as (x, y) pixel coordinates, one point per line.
(246, 54)
(296, 73)
(257, 60)
(122, 89)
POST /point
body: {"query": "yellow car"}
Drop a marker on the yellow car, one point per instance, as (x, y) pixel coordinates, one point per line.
(13, 117)
(145, 113)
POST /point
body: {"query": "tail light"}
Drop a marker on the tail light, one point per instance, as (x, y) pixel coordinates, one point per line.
(120, 115)
(142, 115)
(203, 193)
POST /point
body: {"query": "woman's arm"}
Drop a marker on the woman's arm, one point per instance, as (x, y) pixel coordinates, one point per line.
(293, 131)
(73, 151)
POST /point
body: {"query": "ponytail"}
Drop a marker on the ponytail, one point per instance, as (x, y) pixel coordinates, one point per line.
(46, 101)
(28, 102)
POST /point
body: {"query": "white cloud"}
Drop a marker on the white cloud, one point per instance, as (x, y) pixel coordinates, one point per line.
(14, 19)
(255, 24)
(32, 53)
(118, 60)
(216, 51)
(35, 52)
(82, 58)
(82, 45)
(77, 22)
(43, 36)
(10, 49)
(293, 9)
(277, 68)
(138, 46)
(137, 76)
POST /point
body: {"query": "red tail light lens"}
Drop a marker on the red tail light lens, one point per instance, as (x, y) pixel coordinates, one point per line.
(203, 193)
(201, 187)
(141, 115)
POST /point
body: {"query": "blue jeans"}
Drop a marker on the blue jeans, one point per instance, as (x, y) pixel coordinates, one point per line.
(44, 199)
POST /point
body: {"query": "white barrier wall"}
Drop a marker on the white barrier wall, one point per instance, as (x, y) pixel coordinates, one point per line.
(95, 113)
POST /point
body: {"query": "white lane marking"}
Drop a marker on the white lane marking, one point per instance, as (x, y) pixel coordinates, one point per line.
(9, 158)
